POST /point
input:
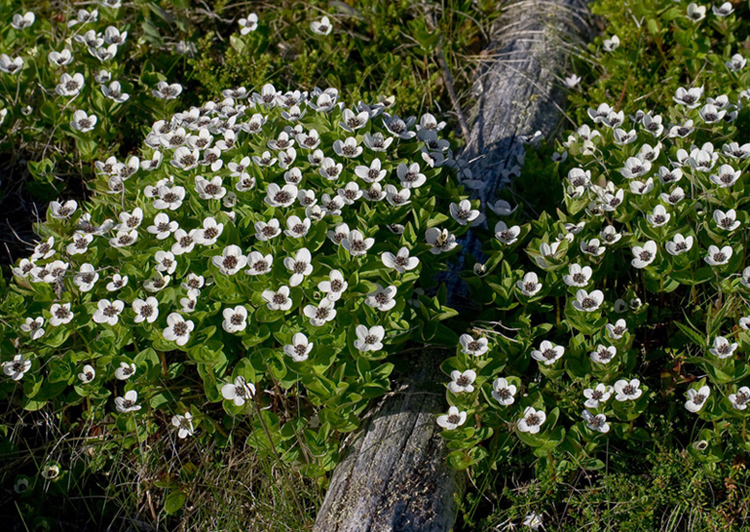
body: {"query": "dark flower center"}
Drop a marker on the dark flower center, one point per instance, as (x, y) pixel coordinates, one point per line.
(533, 419)
(180, 328)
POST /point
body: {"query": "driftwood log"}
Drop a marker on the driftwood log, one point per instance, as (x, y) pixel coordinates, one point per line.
(393, 476)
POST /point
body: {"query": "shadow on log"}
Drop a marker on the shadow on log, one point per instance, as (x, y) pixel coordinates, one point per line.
(393, 475)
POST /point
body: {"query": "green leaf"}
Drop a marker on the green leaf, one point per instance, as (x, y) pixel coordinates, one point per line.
(174, 502)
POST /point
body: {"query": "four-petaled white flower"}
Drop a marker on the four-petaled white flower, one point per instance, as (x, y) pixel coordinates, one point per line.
(83, 122)
(356, 244)
(718, 257)
(369, 339)
(238, 391)
(248, 24)
(658, 217)
(167, 91)
(184, 424)
(740, 399)
(16, 368)
(300, 348)
(617, 330)
(108, 312)
(627, 390)
(231, 260)
(722, 348)
(595, 422)
(321, 314)
(695, 12)
(300, 266)
(475, 347)
(532, 420)
(464, 214)
(61, 313)
(507, 235)
(644, 255)
(503, 392)
(70, 85)
(401, 262)
(696, 399)
(453, 419)
(595, 396)
(548, 353)
(127, 403)
(146, 310)
(611, 44)
(125, 371)
(334, 286)
(726, 220)
(33, 326)
(588, 302)
(603, 354)
(529, 285)
(322, 26)
(679, 244)
(279, 299)
(440, 240)
(88, 374)
(235, 319)
(462, 382)
(178, 330)
(577, 275)
(381, 298)
(62, 211)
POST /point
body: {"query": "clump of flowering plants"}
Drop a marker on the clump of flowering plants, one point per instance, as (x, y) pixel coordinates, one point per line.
(628, 304)
(259, 259)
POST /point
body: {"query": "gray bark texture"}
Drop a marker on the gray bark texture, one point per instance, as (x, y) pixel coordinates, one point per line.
(393, 476)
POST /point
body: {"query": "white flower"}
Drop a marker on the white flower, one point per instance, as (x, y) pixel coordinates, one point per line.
(682, 131)
(696, 399)
(718, 257)
(277, 196)
(83, 122)
(169, 198)
(258, 264)
(464, 214)
(674, 197)
(147, 309)
(726, 177)
(178, 330)
(410, 176)
(184, 425)
(127, 402)
(588, 302)
(231, 260)
(114, 93)
(595, 396)
(711, 114)
(348, 148)
(209, 234)
(617, 330)
(123, 239)
(577, 275)
(248, 24)
(16, 368)
(534, 520)
(61, 211)
(440, 240)
(351, 121)
(505, 234)
(695, 12)
(595, 422)
(334, 286)
(369, 339)
(603, 354)
(401, 262)
(644, 255)
(611, 44)
(463, 382)
(20, 22)
(722, 348)
(503, 392)
(184, 158)
(397, 197)
(473, 347)
(108, 312)
(297, 228)
(266, 231)
(321, 314)
(210, 189)
(156, 283)
(10, 66)
(330, 169)
(235, 319)
(86, 277)
(33, 326)
(279, 299)
(377, 142)
(166, 91)
(70, 85)
(88, 374)
(689, 98)
(572, 80)
(300, 266)
(239, 391)
(724, 10)
(382, 299)
(744, 322)
(592, 247)
(679, 244)
(299, 349)
(80, 243)
(372, 173)
(185, 242)
(452, 420)
(331, 205)
(61, 313)
(125, 371)
(529, 285)
(322, 26)
(532, 420)
(740, 399)
(193, 282)
(548, 353)
(658, 217)
(627, 390)
(187, 304)
(635, 167)
(356, 244)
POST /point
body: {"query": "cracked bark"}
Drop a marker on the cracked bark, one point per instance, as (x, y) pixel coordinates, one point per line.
(393, 476)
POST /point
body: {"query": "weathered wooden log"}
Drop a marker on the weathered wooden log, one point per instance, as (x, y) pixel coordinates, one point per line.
(393, 476)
